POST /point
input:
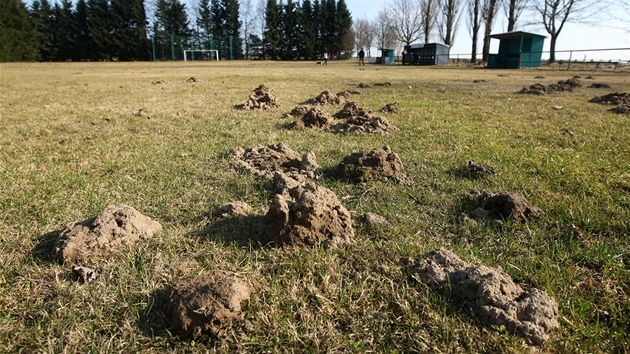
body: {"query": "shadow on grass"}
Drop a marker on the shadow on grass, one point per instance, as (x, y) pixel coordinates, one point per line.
(43, 252)
(464, 172)
(244, 231)
(154, 319)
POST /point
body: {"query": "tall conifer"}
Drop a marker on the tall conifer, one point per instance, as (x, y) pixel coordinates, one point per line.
(273, 35)
(16, 32)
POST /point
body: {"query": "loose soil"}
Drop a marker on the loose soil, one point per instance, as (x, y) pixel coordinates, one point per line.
(330, 98)
(237, 208)
(358, 121)
(540, 89)
(265, 160)
(364, 166)
(491, 294)
(306, 215)
(207, 304)
(622, 100)
(390, 108)
(501, 206)
(114, 229)
(262, 99)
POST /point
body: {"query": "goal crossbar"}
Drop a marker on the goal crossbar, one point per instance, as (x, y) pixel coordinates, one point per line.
(216, 51)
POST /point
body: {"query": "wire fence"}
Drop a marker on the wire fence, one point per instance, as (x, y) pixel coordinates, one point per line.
(610, 58)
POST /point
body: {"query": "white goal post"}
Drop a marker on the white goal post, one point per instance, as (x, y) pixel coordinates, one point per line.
(201, 51)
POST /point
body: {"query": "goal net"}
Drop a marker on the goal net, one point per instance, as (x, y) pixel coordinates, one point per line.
(201, 54)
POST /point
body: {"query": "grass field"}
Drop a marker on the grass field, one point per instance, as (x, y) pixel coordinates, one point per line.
(73, 140)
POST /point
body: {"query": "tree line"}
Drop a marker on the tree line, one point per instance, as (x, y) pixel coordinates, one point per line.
(407, 21)
(96, 30)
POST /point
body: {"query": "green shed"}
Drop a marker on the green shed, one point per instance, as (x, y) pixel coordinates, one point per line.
(387, 56)
(517, 50)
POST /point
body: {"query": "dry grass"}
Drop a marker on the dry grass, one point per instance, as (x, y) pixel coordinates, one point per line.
(73, 140)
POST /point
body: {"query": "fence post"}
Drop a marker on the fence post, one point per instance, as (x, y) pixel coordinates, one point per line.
(173, 46)
(153, 45)
(231, 52)
(570, 56)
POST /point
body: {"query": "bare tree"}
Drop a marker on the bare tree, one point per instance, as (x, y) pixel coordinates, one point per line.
(513, 10)
(384, 36)
(489, 12)
(363, 34)
(448, 20)
(429, 10)
(406, 20)
(474, 24)
(555, 13)
(248, 16)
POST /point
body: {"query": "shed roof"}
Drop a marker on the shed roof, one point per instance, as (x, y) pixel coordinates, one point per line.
(514, 35)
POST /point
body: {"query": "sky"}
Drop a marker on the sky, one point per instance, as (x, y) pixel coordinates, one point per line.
(572, 36)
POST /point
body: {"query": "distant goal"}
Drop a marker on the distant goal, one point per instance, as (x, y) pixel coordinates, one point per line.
(201, 54)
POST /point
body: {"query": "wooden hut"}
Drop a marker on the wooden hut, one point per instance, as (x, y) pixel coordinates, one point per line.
(426, 54)
(517, 50)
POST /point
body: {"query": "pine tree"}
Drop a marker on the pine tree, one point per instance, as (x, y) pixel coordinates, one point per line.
(63, 31)
(318, 29)
(204, 19)
(43, 21)
(129, 32)
(16, 33)
(344, 33)
(172, 18)
(328, 30)
(100, 27)
(273, 35)
(232, 29)
(83, 41)
(217, 18)
(307, 33)
(290, 24)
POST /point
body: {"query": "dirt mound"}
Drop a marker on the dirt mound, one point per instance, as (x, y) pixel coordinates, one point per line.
(351, 109)
(208, 303)
(599, 86)
(305, 215)
(390, 108)
(237, 208)
(330, 98)
(192, 79)
(358, 121)
(500, 206)
(314, 118)
(300, 110)
(492, 295)
(476, 168)
(381, 84)
(561, 86)
(264, 160)
(365, 166)
(622, 100)
(612, 98)
(363, 85)
(261, 99)
(113, 229)
(369, 124)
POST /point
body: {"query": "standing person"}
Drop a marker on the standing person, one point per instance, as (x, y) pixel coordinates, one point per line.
(325, 58)
(361, 56)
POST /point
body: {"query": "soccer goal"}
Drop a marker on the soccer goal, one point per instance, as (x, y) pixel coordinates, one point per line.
(201, 54)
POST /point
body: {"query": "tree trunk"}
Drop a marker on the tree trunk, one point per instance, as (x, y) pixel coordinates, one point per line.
(552, 48)
(511, 14)
(473, 55)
